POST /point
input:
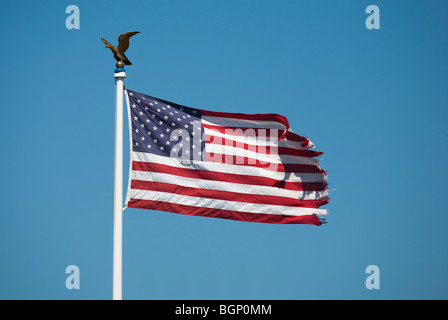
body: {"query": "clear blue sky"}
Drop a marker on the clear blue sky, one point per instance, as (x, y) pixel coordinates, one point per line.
(375, 101)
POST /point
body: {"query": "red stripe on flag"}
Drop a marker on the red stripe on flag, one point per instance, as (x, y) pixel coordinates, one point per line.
(224, 214)
(211, 139)
(252, 117)
(228, 177)
(246, 161)
(244, 132)
(256, 132)
(226, 195)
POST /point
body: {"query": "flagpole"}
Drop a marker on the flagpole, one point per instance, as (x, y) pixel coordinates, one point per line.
(117, 284)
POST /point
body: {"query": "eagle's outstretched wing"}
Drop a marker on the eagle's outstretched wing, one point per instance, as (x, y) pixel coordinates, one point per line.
(105, 41)
(123, 40)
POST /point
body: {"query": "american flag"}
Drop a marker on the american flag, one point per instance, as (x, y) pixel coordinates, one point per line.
(246, 167)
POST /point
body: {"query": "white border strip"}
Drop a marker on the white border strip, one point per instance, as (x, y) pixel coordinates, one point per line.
(131, 153)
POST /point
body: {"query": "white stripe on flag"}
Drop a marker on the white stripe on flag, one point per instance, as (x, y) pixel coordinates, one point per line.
(275, 158)
(253, 140)
(228, 186)
(242, 123)
(228, 168)
(224, 204)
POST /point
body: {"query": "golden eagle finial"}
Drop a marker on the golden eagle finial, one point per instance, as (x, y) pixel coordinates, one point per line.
(123, 45)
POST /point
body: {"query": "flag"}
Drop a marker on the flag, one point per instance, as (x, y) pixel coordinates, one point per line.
(246, 167)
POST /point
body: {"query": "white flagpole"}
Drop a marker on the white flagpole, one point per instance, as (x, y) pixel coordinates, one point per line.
(117, 290)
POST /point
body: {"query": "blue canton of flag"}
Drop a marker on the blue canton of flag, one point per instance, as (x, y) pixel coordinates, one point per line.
(164, 128)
